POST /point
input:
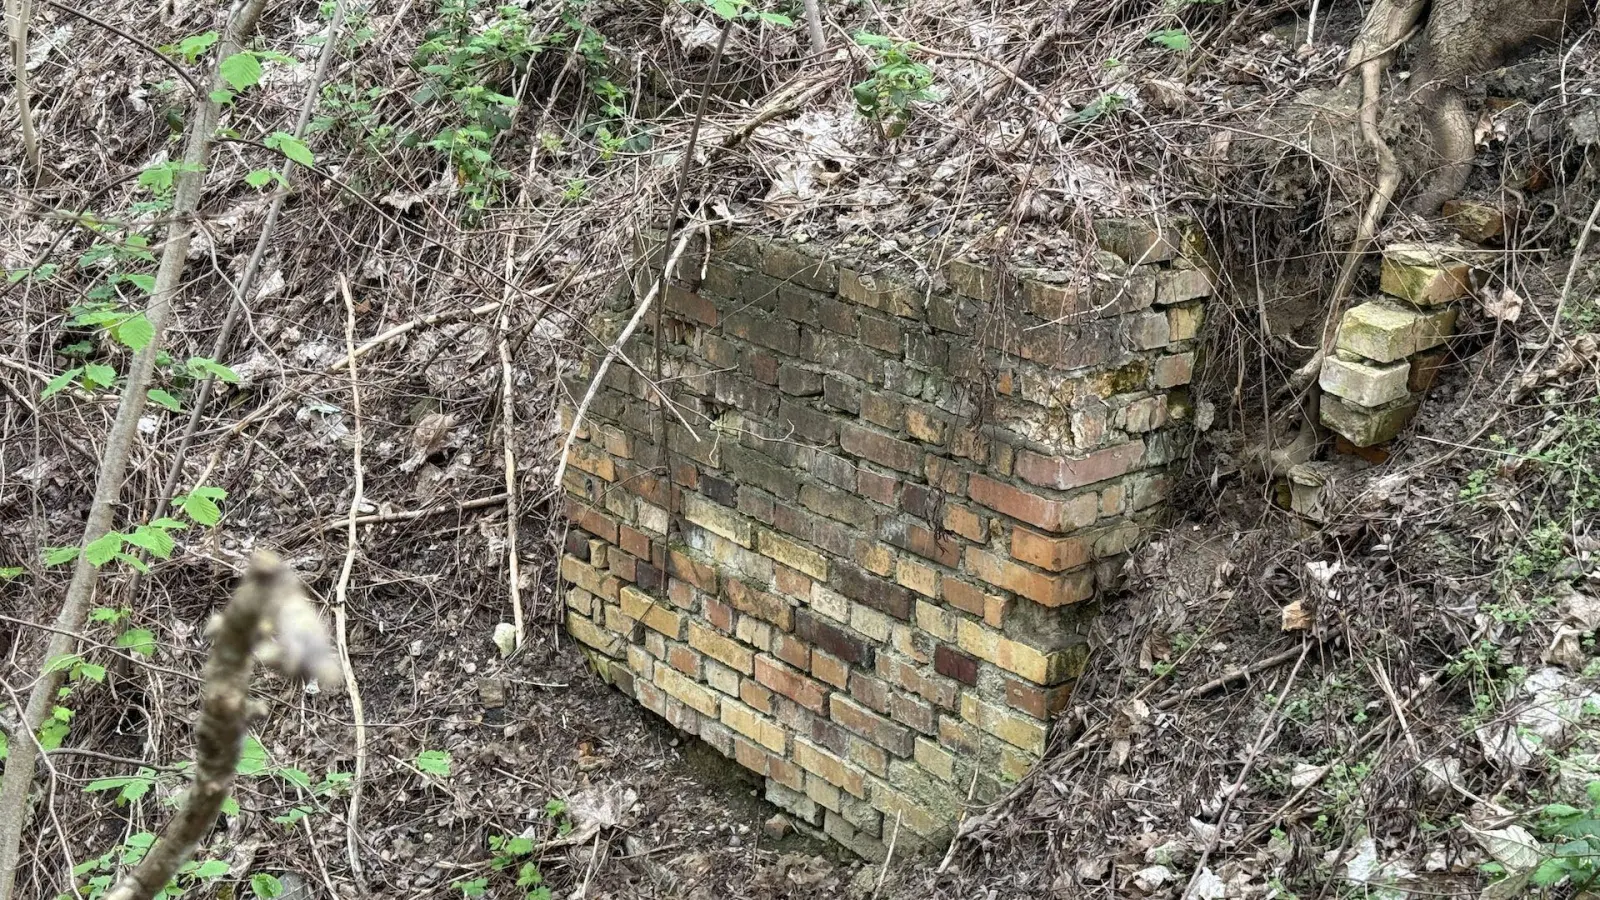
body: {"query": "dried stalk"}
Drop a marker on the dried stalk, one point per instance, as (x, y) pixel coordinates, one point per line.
(341, 597)
(119, 442)
(18, 12)
(268, 601)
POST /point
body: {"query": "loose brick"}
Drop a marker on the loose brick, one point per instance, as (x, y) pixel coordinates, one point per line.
(1363, 383)
(1138, 242)
(1063, 473)
(835, 640)
(1385, 331)
(786, 681)
(1426, 275)
(1171, 371)
(1179, 285)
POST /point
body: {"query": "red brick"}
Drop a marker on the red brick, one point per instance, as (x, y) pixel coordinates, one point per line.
(691, 306)
(593, 521)
(1039, 702)
(963, 596)
(880, 448)
(872, 692)
(621, 565)
(720, 615)
(685, 474)
(634, 541)
(1041, 588)
(684, 660)
(952, 663)
(762, 605)
(1064, 473)
(699, 574)
(1043, 512)
(853, 716)
(790, 583)
(924, 543)
(1053, 554)
(840, 643)
(680, 593)
(913, 712)
(807, 692)
(876, 487)
(857, 584)
(756, 696)
(792, 650)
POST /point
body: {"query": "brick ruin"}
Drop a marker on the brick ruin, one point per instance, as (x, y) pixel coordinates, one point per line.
(867, 571)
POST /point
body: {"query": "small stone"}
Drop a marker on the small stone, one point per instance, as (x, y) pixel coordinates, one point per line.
(1478, 222)
(777, 826)
(1363, 383)
(1385, 331)
(505, 638)
(491, 693)
(1426, 274)
(1365, 427)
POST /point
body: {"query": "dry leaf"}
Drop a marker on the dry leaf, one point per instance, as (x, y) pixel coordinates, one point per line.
(1296, 616)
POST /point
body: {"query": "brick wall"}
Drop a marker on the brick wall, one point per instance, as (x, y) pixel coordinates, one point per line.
(866, 572)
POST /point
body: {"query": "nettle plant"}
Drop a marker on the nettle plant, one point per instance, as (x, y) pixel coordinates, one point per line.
(895, 83)
(99, 873)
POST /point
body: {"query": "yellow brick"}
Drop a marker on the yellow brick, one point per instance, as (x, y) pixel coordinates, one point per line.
(728, 652)
(792, 554)
(641, 662)
(879, 560)
(940, 623)
(753, 725)
(832, 769)
(754, 632)
(580, 600)
(1014, 764)
(895, 805)
(593, 461)
(597, 553)
(818, 789)
(994, 610)
(1019, 731)
(870, 622)
(717, 519)
(653, 518)
(939, 763)
(589, 633)
(1018, 658)
(976, 639)
(722, 678)
(695, 696)
(828, 603)
(640, 607)
(585, 576)
(918, 577)
(911, 643)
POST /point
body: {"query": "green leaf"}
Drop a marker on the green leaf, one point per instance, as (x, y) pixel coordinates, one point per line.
(434, 762)
(99, 374)
(253, 757)
(135, 332)
(9, 572)
(265, 887)
(107, 614)
(201, 509)
(209, 366)
(52, 733)
(163, 399)
(134, 562)
(139, 640)
(156, 540)
(195, 44)
(211, 868)
(221, 96)
(772, 18)
(157, 180)
(241, 71)
(292, 147)
(1172, 39)
(61, 663)
(260, 178)
(1561, 810)
(295, 777)
(230, 806)
(104, 548)
(55, 556)
(477, 887)
(60, 382)
(210, 492)
(92, 672)
(146, 283)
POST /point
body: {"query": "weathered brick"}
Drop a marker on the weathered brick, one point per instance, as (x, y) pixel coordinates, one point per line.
(791, 650)
(963, 596)
(833, 639)
(883, 409)
(1183, 322)
(1035, 665)
(1039, 702)
(698, 698)
(755, 632)
(778, 677)
(699, 574)
(965, 522)
(1366, 427)
(1019, 731)
(831, 768)
(874, 592)
(971, 279)
(1138, 242)
(593, 460)
(877, 487)
(853, 716)
(592, 521)
(1426, 275)
(799, 381)
(1362, 383)
(880, 292)
(1045, 589)
(792, 554)
(1386, 331)
(830, 669)
(767, 607)
(691, 306)
(718, 520)
(789, 263)
(753, 725)
(953, 663)
(803, 421)
(755, 696)
(839, 506)
(728, 652)
(918, 577)
(922, 541)
(1171, 371)
(880, 448)
(1064, 473)
(594, 636)
(1179, 285)
(1053, 554)
(842, 355)
(939, 763)
(642, 608)
(1042, 512)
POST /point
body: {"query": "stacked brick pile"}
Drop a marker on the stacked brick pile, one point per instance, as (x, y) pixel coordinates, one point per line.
(1389, 349)
(863, 575)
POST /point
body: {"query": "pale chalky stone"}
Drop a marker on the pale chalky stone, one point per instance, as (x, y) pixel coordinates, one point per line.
(1365, 427)
(1385, 331)
(1368, 385)
(1426, 275)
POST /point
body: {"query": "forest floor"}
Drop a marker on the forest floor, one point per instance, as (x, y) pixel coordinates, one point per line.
(1424, 726)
